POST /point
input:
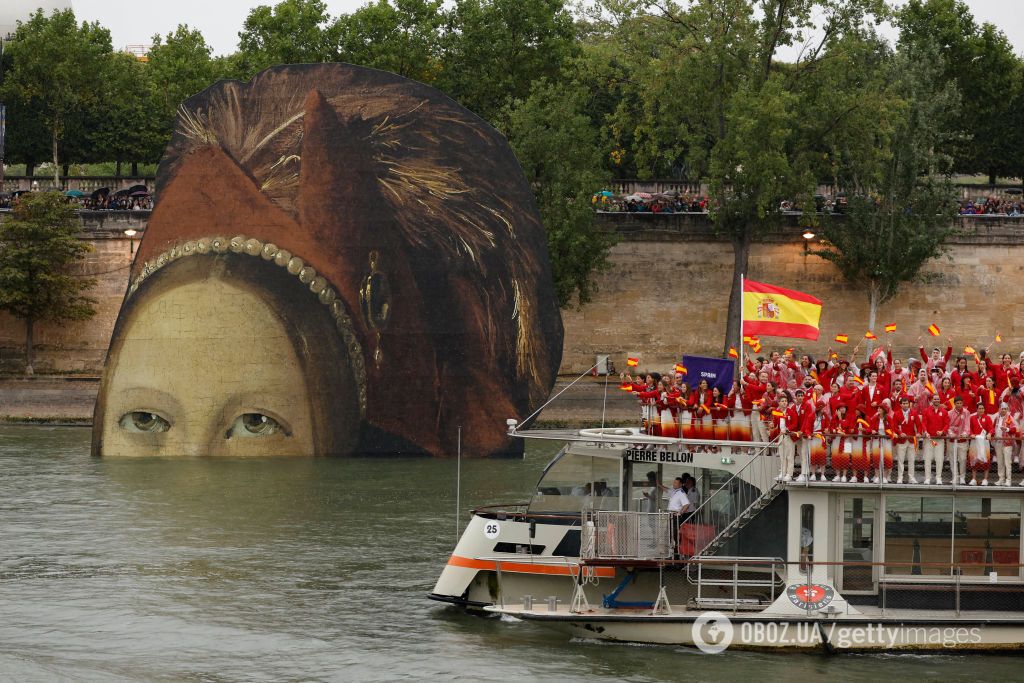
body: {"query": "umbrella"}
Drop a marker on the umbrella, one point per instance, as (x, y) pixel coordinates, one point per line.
(1014, 190)
(121, 193)
(75, 193)
(18, 193)
(605, 193)
(642, 195)
(103, 191)
(140, 193)
(138, 188)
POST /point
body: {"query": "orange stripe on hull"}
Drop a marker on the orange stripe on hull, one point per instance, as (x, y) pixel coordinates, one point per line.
(525, 567)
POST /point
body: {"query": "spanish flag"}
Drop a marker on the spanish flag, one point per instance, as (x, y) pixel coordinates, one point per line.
(680, 368)
(733, 353)
(776, 312)
(632, 362)
(969, 350)
(626, 386)
(933, 330)
(999, 337)
(870, 335)
(891, 327)
(842, 339)
(756, 347)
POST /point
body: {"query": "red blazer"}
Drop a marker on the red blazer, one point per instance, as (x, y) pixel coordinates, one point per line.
(871, 403)
(935, 422)
(989, 400)
(970, 399)
(908, 425)
(700, 404)
(982, 425)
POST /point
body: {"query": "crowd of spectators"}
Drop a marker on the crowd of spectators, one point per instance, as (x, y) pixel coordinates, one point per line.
(122, 200)
(675, 202)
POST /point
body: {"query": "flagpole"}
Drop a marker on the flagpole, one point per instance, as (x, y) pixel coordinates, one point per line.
(739, 371)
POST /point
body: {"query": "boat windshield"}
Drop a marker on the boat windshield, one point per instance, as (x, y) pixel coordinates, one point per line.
(574, 481)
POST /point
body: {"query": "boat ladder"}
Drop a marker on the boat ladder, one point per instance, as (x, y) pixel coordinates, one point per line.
(729, 577)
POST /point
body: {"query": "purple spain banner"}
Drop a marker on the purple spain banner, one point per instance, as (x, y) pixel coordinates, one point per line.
(717, 371)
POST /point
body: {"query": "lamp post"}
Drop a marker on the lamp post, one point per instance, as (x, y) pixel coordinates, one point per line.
(131, 232)
(808, 235)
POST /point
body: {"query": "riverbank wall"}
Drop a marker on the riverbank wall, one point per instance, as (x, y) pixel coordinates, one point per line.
(665, 293)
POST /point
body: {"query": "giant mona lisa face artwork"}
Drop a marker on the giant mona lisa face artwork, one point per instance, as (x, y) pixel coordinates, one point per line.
(340, 261)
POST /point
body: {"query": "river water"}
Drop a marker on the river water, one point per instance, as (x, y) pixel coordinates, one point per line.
(288, 569)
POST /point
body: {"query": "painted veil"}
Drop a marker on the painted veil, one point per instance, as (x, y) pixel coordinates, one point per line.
(391, 232)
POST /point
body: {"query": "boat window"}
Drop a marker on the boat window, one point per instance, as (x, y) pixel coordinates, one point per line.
(576, 481)
(806, 535)
(918, 534)
(987, 534)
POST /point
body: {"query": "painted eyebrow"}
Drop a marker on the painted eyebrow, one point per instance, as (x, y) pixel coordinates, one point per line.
(142, 395)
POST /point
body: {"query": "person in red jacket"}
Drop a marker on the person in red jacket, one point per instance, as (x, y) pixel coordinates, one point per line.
(988, 396)
(978, 455)
(872, 395)
(649, 405)
(841, 424)
(1004, 433)
(739, 413)
(935, 426)
(804, 410)
(753, 394)
(861, 456)
(784, 420)
(906, 423)
(719, 416)
(965, 390)
(700, 404)
(959, 435)
(880, 445)
(1003, 372)
(947, 394)
(960, 372)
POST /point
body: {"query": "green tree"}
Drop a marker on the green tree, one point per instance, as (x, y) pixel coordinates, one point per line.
(38, 245)
(403, 37)
(290, 32)
(124, 125)
(179, 66)
(882, 242)
(495, 49)
(980, 61)
(710, 92)
(556, 144)
(57, 71)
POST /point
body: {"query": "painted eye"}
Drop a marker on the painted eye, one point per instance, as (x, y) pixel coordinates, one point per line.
(142, 422)
(249, 425)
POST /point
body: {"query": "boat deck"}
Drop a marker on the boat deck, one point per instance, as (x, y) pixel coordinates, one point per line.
(540, 612)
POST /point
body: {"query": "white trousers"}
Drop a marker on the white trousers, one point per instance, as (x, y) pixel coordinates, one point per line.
(958, 459)
(758, 431)
(905, 450)
(787, 451)
(933, 453)
(1004, 462)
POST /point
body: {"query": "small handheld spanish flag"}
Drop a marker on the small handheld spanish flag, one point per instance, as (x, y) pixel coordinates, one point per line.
(933, 330)
(857, 379)
(834, 355)
(891, 327)
(680, 368)
(864, 423)
(969, 350)
(626, 386)
(999, 337)
(789, 351)
(842, 339)
(747, 339)
(756, 347)
(733, 353)
(778, 413)
(991, 396)
(870, 335)
(632, 362)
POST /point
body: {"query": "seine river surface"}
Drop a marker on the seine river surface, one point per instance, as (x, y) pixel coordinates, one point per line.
(298, 569)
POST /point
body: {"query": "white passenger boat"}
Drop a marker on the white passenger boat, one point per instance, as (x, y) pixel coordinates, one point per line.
(760, 563)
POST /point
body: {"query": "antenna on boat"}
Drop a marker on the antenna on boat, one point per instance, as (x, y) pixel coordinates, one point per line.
(458, 482)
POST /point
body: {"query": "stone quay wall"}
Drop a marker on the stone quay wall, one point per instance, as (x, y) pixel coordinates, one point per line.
(666, 294)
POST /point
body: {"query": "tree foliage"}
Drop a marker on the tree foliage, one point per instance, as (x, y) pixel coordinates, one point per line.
(290, 32)
(38, 246)
(403, 37)
(57, 71)
(555, 142)
(885, 240)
